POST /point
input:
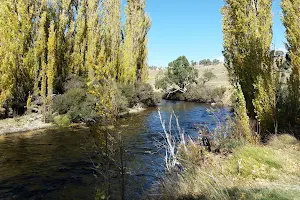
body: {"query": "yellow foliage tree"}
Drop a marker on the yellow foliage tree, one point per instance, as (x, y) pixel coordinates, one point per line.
(290, 18)
(80, 44)
(134, 51)
(247, 29)
(16, 52)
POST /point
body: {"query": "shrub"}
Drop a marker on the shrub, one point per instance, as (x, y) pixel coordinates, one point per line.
(217, 94)
(140, 93)
(62, 120)
(128, 91)
(145, 94)
(121, 100)
(76, 102)
(201, 93)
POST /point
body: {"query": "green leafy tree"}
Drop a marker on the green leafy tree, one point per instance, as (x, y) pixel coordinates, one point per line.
(205, 62)
(216, 62)
(207, 76)
(178, 77)
(16, 51)
(110, 30)
(242, 122)
(193, 63)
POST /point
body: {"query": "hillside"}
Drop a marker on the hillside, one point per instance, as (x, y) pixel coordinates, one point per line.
(219, 70)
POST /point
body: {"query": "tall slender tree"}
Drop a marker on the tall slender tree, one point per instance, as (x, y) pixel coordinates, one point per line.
(51, 67)
(111, 35)
(80, 44)
(247, 29)
(137, 25)
(290, 18)
(16, 51)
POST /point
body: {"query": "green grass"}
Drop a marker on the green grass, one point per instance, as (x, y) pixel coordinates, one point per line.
(268, 172)
(256, 162)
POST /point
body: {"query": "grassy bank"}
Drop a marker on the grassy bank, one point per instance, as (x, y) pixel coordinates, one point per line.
(271, 171)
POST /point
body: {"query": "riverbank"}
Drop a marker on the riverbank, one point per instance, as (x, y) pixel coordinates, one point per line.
(34, 121)
(269, 171)
(23, 123)
(220, 96)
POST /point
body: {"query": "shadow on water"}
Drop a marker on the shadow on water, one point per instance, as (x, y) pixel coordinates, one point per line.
(77, 163)
(49, 165)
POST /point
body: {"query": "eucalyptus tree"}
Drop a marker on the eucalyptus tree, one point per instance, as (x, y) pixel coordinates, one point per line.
(179, 75)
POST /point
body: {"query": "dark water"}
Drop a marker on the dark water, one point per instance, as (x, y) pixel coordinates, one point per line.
(60, 164)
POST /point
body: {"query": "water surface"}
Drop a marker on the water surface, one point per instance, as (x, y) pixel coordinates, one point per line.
(60, 164)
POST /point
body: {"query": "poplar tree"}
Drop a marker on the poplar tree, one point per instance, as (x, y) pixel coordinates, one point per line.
(16, 50)
(43, 42)
(51, 67)
(111, 35)
(242, 121)
(63, 15)
(99, 78)
(247, 29)
(93, 33)
(137, 25)
(80, 44)
(41, 51)
(290, 18)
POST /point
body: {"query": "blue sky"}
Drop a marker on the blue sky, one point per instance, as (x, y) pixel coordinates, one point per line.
(192, 28)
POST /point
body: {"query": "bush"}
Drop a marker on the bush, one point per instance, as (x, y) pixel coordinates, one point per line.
(140, 93)
(62, 120)
(145, 94)
(76, 102)
(121, 100)
(203, 94)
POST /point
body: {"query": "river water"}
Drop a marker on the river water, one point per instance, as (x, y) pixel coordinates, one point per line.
(71, 163)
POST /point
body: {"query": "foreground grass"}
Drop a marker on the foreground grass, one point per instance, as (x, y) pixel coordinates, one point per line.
(250, 172)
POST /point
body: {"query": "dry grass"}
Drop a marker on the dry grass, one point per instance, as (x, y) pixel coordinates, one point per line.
(251, 172)
(24, 123)
(219, 70)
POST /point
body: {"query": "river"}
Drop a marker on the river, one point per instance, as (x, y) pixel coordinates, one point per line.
(68, 163)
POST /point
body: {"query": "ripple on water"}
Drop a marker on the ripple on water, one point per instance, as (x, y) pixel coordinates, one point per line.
(56, 164)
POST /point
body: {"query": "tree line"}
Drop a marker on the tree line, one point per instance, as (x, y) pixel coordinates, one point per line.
(266, 82)
(44, 42)
(206, 62)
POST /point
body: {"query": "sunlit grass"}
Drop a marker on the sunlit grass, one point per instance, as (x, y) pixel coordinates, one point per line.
(251, 172)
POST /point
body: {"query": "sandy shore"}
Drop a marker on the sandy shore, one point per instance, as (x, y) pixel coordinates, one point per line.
(24, 123)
